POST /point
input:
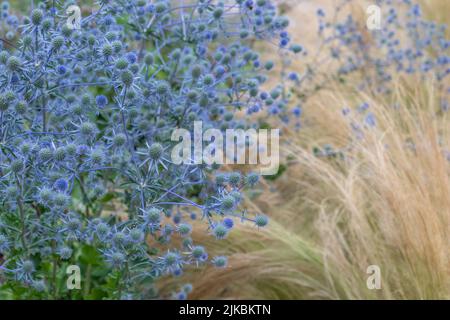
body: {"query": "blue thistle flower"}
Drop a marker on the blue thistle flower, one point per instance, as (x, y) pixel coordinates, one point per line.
(228, 222)
(261, 221)
(220, 261)
(61, 185)
(101, 101)
(220, 231)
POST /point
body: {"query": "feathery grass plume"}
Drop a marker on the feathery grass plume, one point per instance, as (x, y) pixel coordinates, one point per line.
(384, 201)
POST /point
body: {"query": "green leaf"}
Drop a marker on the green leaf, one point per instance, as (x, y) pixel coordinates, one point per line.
(90, 255)
(107, 197)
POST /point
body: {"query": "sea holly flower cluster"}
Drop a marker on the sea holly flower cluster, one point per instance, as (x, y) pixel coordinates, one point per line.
(86, 117)
(85, 122)
(8, 22)
(406, 44)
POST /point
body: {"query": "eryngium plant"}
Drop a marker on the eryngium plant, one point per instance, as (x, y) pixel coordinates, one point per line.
(86, 117)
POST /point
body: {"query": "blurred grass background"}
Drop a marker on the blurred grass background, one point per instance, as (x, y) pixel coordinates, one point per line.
(332, 218)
